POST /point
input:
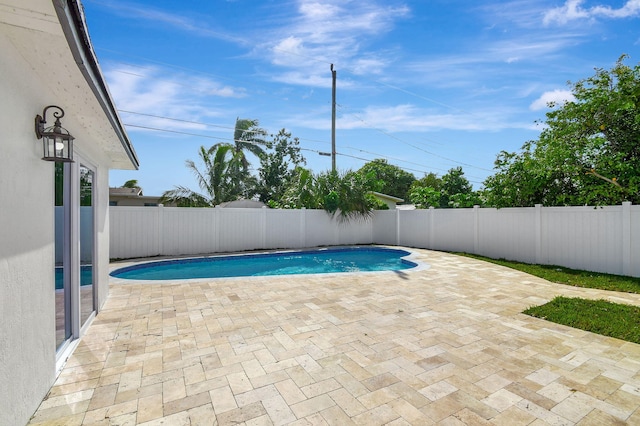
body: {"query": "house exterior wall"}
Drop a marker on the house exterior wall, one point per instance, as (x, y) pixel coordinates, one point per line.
(37, 69)
(27, 340)
(27, 248)
(389, 203)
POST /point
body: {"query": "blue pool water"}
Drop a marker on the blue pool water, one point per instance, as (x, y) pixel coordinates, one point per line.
(352, 259)
(86, 276)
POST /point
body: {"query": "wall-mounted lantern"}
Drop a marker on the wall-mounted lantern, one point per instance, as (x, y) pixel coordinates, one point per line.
(57, 142)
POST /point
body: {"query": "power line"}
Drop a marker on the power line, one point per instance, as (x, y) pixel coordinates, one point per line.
(387, 134)
(254, 143)
(394, 158)
(180, 120)
(174, 131)
(260, 131)
(257, 131)
(248, 131)
(342, 106)
(416, 147)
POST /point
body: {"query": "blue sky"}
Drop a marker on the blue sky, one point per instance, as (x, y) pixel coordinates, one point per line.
(427, 84)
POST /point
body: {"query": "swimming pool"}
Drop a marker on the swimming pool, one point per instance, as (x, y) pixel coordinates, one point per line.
(321, 261)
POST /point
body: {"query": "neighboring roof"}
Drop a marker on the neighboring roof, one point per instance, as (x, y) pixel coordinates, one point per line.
(387, 197)
(126, 192)
(49, 38)
(243, 204)
(406, 207)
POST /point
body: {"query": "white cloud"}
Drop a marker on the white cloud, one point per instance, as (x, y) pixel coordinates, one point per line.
(131, 11)
(409, 118)
(631, 8)
(568, 12)
(368, 66)
(554, 97)
(527, 48)
(227, 92)
(320, 33)
(315, 11)
(573, 10)
(156, 93)
(322, 20)
(486, 62)
(305, 79)
(504, 15)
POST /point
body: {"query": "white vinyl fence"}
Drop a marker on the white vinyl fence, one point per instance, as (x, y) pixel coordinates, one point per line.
(605, 239)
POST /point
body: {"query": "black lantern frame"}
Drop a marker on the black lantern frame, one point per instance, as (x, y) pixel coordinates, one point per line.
(57, 142)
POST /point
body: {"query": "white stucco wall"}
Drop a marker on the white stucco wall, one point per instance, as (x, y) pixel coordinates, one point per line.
(27, 340)
(27, 251)
(37, 69)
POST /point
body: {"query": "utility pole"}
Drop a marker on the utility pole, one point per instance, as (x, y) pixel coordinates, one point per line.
(333, 120)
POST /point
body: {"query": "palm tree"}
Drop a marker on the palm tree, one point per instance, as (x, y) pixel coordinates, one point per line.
(343, 195)
(225, 176)
(301, 191)
(133, 183)
(218, 179)
(248, 136)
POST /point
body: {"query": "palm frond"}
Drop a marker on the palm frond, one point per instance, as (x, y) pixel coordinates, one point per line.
(247, 135)
(184, 197)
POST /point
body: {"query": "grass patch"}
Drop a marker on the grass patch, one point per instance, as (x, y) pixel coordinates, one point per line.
(574, 277)
(598, 316)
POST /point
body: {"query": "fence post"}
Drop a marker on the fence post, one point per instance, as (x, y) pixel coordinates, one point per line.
(160, 230)
(431, 226)
(303, 227)
(397, 227)
(372, 222)
(263, 224)
(538, 233)
(626, 238)
(476, 229)
(216, 223)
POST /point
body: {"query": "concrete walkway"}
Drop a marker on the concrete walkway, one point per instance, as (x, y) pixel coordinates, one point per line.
(447, 345)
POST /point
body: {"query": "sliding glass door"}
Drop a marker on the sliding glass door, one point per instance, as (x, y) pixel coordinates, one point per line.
(75, 287)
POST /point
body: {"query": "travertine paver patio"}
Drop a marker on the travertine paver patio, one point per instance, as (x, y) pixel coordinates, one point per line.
(447, 345)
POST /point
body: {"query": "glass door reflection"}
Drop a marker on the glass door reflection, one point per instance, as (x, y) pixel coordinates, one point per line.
(62, 256)
(87, 287)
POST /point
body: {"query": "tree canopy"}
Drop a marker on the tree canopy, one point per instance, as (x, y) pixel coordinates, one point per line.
(587, 154)
(453, 190)
(278, 166)
(387, 178)
(344, 195)
(223, 174)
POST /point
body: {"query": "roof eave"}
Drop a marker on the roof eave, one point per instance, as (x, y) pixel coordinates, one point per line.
(73, 24)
